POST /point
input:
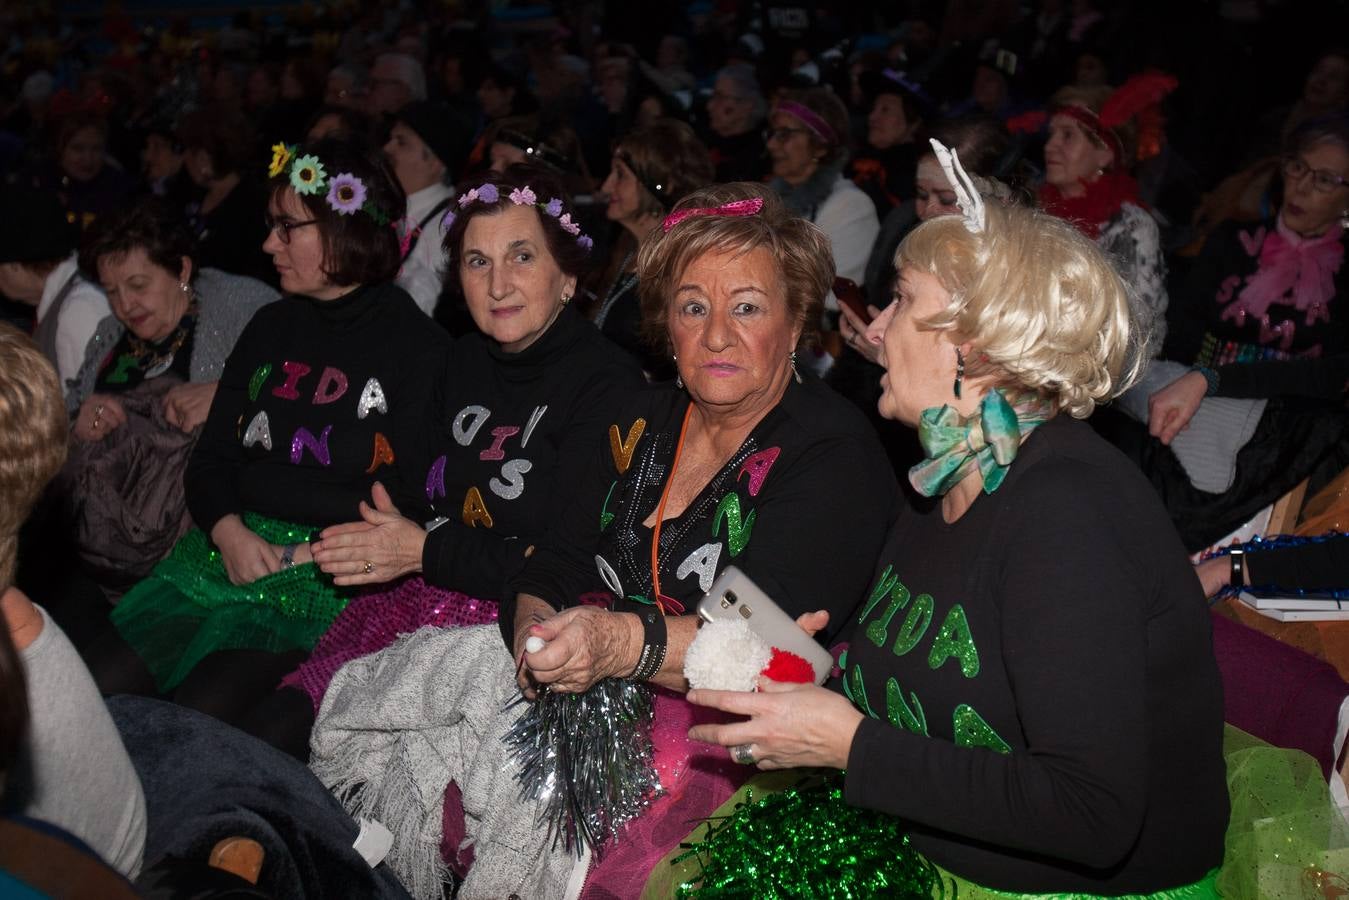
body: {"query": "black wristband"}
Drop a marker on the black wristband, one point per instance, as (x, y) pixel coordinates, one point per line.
(1238, 577)
(654, 643)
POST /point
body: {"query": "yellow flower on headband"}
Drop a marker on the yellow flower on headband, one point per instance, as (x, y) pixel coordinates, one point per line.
(307, 175)
(281, 154)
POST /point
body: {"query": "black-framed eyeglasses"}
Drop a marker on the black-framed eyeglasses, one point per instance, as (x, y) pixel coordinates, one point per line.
(782, 134)
(1325, 181)
(283, 227)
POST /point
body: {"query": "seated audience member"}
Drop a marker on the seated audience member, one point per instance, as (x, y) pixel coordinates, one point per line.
(807, 142)
(162, 166)
(544, 140)
(653, 168)
(217, 146)
(1031, 726)
(146, 384)
(497, 486)
(1088, 182)
(1259, 317)
(735, 111)
(82, 174)
(347, 86)
(341, 123)
(70, 768)
(884, 166)
(422, 150)
(733, 281)
(38, 268)
(324, 391)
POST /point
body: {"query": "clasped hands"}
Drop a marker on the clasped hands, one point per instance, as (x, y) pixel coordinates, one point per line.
(380, 547)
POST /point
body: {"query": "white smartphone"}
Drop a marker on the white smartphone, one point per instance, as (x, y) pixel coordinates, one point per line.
(734, 596)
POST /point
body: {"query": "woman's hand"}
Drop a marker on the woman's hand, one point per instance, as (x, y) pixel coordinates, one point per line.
(380, 547)
(1171, 408)
(854, 332)
(99, 416)
(584, 645)
(186, 405)
(790, 725)
(247, 557)
(1216, 574)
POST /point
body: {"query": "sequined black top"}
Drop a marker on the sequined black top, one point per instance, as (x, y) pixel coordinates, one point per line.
(801, 508)
(318, 401)
(1044, 708)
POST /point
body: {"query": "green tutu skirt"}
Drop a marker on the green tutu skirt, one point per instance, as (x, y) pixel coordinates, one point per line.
(784, 836)
(187, 608)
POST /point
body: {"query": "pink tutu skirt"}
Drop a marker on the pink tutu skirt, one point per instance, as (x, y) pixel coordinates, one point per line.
(373, 620)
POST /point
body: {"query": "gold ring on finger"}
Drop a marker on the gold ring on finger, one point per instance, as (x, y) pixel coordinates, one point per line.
(369, 568)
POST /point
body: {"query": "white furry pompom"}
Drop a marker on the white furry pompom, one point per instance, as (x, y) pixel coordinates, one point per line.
(726, 656)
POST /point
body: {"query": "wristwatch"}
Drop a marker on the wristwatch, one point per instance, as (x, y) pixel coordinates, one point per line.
(288, 556)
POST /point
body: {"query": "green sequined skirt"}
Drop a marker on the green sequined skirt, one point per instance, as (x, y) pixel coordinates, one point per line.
(781, 836)
(187, 608)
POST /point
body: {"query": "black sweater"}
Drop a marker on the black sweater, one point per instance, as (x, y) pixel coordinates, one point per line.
(516, 436)
(316, 374)
(1045, 711)
(801, 508)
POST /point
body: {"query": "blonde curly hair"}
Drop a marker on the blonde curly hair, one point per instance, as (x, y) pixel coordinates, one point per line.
(32, 437)
(1041, 305)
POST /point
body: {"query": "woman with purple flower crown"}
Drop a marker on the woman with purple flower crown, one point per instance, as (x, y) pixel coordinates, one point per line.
(326, 393)
(522, 402)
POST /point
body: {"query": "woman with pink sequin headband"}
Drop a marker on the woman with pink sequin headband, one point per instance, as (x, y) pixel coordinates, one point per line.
(743, 461)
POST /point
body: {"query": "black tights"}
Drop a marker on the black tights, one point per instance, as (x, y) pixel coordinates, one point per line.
(226, 684)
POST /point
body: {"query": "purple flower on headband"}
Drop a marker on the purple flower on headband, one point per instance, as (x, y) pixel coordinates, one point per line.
(488, 193)
(466, 199)
(554, 208)
(447, 220)
(346, 194)
(585, 243)
(568, 225)
(523, 197)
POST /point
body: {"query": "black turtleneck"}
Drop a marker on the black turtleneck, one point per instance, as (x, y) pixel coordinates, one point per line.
(517, 432)
(318, 400)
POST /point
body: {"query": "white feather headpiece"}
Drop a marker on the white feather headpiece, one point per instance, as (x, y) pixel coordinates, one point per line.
(967, 195)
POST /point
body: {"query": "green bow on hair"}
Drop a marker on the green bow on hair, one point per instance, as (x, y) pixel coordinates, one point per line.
(988, 439)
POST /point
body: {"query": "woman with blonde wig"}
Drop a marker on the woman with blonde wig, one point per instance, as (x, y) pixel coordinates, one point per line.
(1029, 701)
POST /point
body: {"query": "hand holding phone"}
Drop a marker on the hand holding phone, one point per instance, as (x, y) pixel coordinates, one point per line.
(734, 596)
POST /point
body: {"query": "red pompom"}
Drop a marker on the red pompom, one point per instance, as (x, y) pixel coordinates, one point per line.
(788, 668)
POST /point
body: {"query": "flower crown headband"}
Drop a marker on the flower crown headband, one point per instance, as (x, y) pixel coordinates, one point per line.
(488, 193)
(346, 195)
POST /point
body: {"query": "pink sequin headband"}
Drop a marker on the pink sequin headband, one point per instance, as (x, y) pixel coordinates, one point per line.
(487, 192)
(748, 207)
(808, 119)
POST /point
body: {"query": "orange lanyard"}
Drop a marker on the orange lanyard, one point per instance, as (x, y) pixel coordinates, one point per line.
(660, 511)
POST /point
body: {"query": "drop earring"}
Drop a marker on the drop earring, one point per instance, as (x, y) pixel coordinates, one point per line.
(566, 298)
(1344, 220)
(960, 372)
(182, 286)
(679, 379)
(795, 373)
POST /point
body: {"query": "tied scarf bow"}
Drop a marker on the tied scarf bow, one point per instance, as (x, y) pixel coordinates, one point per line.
(988, 439)
(1304, 267)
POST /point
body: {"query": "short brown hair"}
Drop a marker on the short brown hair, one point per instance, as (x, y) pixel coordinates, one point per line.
(223, 134)
(669, 162)
(151, 225)
(802, 252)
(571, 256)
(32, 437)
(357, 248)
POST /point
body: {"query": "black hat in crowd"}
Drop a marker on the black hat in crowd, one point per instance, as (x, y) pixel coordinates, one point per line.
(438, 127)
(33, 226)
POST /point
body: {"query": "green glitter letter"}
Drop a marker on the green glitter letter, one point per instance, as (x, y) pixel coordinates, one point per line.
(900, 713)
(883, 586)
(879, 630)
(124, 362)
(915, 624)
(954, 639)
(971, 730)
(255, 383)
(737, 532)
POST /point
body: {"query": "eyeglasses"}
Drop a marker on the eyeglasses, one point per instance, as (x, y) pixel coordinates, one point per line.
(781, 134)
(1325, 181)
(283, 227)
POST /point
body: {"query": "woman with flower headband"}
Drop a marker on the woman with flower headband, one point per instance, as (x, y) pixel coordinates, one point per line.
(326, 392)
(744, 461)
(1029, 702)
(522, 402)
